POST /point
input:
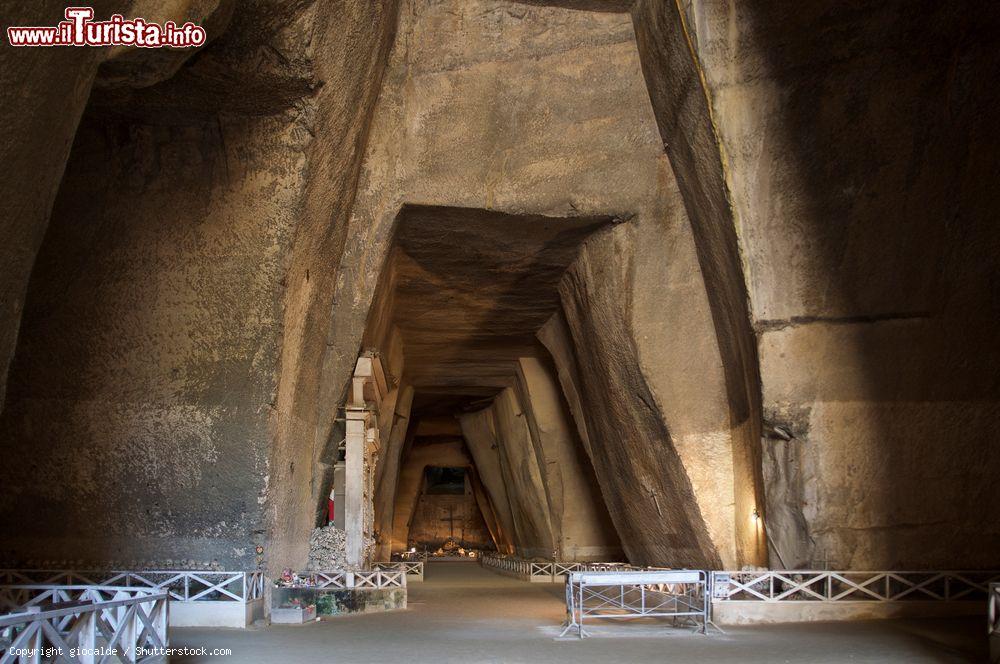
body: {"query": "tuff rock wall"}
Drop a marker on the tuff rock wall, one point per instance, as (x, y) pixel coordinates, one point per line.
(49, 90)
(146, 405)
(852, 146)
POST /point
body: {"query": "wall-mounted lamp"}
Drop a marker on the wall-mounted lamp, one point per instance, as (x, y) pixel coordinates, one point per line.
(755, 515)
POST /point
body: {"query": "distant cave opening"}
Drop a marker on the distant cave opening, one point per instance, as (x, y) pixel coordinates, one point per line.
(444, 481)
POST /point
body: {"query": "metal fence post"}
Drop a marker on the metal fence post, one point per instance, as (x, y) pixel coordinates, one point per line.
(88, 637)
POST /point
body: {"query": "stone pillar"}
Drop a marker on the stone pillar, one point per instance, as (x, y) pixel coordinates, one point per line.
(362, 444)
(357, 427)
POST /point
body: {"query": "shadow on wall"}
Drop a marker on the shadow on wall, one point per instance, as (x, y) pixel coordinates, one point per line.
(506, 276)
(860, 159)
(864, 184)
(132, 450)
(145, 422)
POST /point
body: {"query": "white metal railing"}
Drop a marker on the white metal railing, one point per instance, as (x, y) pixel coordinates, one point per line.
(373, 579)
(131, 620)
(182, 585)
(565, 569)
(506, 564)
(546, 571)
(850, 586)
(540, 570)
(790, 585)
(413, 569)
(637, 594)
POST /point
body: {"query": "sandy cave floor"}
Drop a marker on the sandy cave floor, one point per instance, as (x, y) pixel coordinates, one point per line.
(463, 613)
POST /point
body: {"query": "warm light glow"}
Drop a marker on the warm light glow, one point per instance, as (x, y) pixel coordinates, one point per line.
(755, 515)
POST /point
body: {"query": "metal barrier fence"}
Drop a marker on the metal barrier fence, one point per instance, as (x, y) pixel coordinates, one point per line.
(788, 585)
(414, 570)
(506, 564)
(182, 585)
(637, 594)
(560, 570)
(132, 620)
(833, 586)
(527, 570)
(340, 579)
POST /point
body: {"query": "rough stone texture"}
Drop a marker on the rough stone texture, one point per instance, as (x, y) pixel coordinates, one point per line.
(352, 43)
(481, 437)
(53, 86)
(465, 317)
(857, 145)
(555, 336)
(390, 457)
(522, 475)
(142, 403)
(556, 134)
(138, 406)
(48, 91)
(536, 474)
(581, 525)
(646, 487)
(438, 519)
(689, 137)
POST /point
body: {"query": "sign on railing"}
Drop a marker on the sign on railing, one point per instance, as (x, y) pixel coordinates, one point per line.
(131, 620)
(183, 586)
(849, 586)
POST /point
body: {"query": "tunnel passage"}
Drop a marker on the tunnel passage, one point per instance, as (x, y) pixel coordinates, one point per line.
(457, 329)
(475, 387)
